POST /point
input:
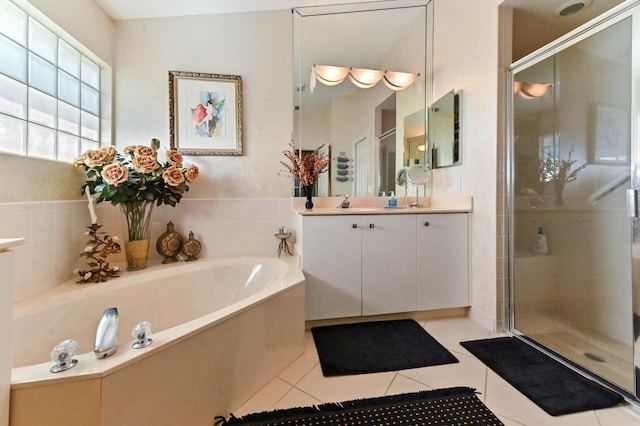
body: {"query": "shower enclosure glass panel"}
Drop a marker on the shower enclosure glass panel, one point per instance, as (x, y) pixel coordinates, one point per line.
(571, 162)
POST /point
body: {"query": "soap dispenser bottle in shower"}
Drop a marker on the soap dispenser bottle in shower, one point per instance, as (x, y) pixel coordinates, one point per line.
(540, 245)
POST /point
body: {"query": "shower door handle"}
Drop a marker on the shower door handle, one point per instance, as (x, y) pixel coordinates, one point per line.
(632, 202)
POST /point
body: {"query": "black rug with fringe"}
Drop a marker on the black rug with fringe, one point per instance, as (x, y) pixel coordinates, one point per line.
(552, 386)
(376, 346)
(441, 407)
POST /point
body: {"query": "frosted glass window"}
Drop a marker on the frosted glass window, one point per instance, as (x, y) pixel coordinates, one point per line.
(86, 145)
(42, 75)
(68, 147)
(68, 89)
(13, 135)
(13, 97)
(68, 118)
(13, 22)
(90, 126)
(90, 100)
(69, 59)
(42, 108)
(90, 73)
(43, 42)
(50, 91)
(14, 59)
(42, 141)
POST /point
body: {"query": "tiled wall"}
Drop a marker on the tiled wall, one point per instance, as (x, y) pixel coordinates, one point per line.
(54, 233)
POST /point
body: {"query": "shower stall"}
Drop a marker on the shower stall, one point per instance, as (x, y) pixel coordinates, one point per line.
(573, 181)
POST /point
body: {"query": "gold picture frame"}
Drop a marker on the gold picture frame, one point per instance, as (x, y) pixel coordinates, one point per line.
(205, 113)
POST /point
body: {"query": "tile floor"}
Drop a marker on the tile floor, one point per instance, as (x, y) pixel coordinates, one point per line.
(302, 384)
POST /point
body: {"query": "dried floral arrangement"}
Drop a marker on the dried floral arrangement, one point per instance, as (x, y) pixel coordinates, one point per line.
(558, 172)
(99, 247)
(305, 169)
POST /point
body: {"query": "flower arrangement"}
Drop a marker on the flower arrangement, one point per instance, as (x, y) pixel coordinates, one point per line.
(558, 172)
(136, 174)
(305, 169)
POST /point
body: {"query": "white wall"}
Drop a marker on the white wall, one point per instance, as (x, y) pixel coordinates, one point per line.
(466, 59)
(256, 46)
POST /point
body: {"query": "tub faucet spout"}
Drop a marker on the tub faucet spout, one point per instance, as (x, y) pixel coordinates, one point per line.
(107, 334)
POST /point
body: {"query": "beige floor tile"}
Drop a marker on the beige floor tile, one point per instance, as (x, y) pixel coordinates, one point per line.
(469, 371)
(296, 398)
(265, 399)
(618, 416)
(300, 367)
(402, 384)
(340, 388)
(451, 331)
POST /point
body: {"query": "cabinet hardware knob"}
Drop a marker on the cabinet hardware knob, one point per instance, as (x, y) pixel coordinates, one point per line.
(354, 226)
(426, 224)
(371, 225)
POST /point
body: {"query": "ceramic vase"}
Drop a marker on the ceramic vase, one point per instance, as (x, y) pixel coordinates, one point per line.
(136, 225)
(307, 191)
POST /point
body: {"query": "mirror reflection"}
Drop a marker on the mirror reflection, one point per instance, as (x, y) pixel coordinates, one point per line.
(444, 131)
(359, 77)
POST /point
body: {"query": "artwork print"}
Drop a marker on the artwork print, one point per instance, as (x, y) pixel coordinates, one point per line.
(205, 113)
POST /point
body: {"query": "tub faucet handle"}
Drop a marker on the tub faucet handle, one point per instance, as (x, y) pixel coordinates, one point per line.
(62, 354)
(141, 333)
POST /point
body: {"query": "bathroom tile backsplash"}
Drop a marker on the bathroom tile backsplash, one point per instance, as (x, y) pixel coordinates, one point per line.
(54, 233)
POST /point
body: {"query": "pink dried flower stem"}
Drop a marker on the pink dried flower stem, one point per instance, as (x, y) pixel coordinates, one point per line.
(305, 169)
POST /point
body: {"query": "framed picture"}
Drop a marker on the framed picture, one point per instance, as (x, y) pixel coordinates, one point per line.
(611, 135)
(205, 113)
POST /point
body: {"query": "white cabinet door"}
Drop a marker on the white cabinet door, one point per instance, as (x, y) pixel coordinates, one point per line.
(443, 260)
(331, 258)
(388, 264)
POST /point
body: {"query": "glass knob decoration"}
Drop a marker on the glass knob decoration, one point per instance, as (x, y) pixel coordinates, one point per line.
(62, 354)
(141, 333)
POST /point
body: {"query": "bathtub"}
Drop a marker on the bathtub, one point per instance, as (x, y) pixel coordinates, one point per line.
(222, 329)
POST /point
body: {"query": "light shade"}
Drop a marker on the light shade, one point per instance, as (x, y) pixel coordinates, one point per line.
(530, 90)
(361, 77)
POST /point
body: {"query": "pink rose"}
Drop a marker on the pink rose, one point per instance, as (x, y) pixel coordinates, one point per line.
(192, 173)
(145, 151)
(115, 173)
(174, 158)
(145, 164)
(173, 176)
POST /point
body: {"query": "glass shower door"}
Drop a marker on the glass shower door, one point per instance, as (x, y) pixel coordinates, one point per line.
(571, 238)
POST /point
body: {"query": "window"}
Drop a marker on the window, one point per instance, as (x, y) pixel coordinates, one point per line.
(50, 94)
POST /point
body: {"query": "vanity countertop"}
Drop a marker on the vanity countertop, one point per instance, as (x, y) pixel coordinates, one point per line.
(327, 206)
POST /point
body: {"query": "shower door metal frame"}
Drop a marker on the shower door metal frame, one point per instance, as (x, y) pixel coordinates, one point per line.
(630, 8)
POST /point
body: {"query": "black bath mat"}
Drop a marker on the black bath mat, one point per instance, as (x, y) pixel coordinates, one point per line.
(371, 347)
(440, 407)
(552, 386)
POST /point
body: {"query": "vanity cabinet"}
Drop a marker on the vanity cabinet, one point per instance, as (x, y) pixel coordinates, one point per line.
(388, 264)
(358, 265)
(331, 257)
(443, 261)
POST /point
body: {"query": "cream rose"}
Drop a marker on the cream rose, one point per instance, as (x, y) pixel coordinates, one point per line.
(173, 176)
(109, 153)
(128, 150)
(115, 173)
(95, 158)
(145, 164)
(192, 173)
(145, 151)
(174, 158)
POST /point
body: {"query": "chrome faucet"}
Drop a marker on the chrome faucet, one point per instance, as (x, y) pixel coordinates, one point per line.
(107, 334)
(345, 203)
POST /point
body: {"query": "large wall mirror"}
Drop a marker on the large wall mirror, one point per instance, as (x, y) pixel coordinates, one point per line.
(366, 128)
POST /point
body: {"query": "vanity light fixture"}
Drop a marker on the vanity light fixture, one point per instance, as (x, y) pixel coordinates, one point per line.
(530, 90)
(330, 75)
